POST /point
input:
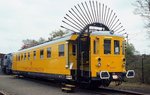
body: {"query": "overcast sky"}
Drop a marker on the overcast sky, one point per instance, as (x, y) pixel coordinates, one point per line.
(32, 19)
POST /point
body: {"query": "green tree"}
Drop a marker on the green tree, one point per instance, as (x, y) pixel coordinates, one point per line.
(57, 33)
(41, 40)
(130, 50)
(31, 42)
(28, 43)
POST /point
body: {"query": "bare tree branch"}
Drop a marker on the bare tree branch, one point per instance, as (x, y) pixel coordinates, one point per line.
(142, 8)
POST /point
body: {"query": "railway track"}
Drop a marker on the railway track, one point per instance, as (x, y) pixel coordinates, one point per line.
(117, 91)
(78, 90)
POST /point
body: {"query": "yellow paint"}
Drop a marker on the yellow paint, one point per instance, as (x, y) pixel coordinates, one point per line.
(56, 64)
(74, 37)
(72, 58)
(53, 65)
(109, 62)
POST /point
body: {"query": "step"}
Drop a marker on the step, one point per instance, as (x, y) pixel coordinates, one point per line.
(69, 85)
(66, 89)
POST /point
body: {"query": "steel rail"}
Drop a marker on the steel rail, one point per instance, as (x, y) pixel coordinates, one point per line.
(119, 91)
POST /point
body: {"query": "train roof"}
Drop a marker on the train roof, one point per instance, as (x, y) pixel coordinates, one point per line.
(67, 37)
(55, 40)
(106, 33)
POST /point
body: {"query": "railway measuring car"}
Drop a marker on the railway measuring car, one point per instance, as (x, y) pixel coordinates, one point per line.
(93, 52)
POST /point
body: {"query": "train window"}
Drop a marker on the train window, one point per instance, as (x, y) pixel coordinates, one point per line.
(73, 49)
(61, 50)
(21, 56)
(28, 55)
(116, 47)
(48, 52)
(107, 46)
(34, 54)
(41, 53)
(24, 56)
(16, 57)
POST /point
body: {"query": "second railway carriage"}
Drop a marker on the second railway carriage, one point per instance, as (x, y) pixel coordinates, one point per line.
(7, 64)
(98, 58)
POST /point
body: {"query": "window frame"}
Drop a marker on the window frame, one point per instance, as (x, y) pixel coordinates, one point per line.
(28, 55)
(49, 51)
(25, 57)
(61, 52)
(41, 53)
(74, 49)
(18, 57)
(115, 46)
(34, 54)
(21, 57)
(104, 46)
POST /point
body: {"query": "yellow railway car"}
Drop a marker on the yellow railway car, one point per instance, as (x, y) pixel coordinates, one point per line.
(101, 60)
(95, 54)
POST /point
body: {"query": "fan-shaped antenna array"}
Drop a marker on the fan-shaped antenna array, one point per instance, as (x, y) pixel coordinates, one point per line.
(92, 13)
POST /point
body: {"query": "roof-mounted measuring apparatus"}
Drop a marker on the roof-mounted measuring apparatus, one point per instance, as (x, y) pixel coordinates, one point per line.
(92, 13)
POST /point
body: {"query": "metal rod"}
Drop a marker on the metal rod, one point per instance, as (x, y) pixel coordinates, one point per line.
(111, 19)
(72, 23)
(82, 17)
(94, 11)
(121, 31)
(74, 20)
(113, 25)
(112, 22)
(97, 10)
(102, 13)
(79, 17)
(86, 13)
(107, 15)
(67, 29)
(118, 28)
(89, 11)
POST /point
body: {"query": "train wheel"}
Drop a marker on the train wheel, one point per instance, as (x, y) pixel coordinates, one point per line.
(8, 71)
(4, 70)
(94, 85)
(119, 82)
(106, 83)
